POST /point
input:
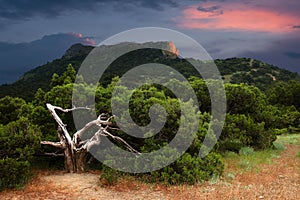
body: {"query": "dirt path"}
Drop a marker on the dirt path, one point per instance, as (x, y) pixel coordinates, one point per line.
(280, 180)
(58, 185)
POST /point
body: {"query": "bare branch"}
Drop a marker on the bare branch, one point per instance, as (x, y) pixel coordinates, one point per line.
(95, 140)
(52, 108)
(72, 109)
(130, 148)
(54, 154)
(98, 122)
(54, 144)
(104, 122)
(79, 133)
(114, 128)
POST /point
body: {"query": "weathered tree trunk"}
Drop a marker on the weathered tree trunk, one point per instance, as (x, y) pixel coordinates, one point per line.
(80, 161)
(75, 150)
(75, 162)
(74, 153)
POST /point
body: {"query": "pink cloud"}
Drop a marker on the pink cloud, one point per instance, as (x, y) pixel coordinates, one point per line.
(89, 41)
(78, 35)
(225, 16)
(85, 40)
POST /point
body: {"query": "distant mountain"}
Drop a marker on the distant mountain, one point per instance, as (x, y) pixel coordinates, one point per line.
(234, 70)
(40, 77)
(16, 59)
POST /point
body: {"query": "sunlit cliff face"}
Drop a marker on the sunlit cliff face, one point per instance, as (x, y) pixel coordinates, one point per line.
(173, 49)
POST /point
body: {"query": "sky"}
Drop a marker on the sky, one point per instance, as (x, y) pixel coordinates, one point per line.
(265, 30)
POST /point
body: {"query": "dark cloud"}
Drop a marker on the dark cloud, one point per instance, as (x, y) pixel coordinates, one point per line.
(283, 53)
(295, 27)
(157, 4)
(209, 9)
(21, 57)
(27, 8)
(22, 10)
(293, 55)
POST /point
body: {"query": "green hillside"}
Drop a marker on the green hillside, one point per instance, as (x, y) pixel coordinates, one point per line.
(233, 70)
(254, 117)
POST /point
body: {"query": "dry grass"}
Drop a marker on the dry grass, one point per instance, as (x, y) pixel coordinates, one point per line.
(267, 177)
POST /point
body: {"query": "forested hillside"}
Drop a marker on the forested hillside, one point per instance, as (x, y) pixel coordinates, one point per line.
(233, 70)
(262, 102)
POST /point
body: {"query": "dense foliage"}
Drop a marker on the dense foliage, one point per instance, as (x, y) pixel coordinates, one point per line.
(18, 142)
(254, 117)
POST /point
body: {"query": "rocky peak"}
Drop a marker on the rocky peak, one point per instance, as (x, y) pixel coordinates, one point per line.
(79, 49)
(172, 50)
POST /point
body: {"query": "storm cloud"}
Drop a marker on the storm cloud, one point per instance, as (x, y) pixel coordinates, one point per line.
(19, 58)
(22, 10)
(209, 9)
(283, 53)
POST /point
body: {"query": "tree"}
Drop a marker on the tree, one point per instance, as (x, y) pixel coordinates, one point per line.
(187, 168)
(19, 140)
(285, 94)
(68, 76)
(10, 108)
(76, 150)
(244, 99)
(241, 130)
(280, 94)
(202, 93)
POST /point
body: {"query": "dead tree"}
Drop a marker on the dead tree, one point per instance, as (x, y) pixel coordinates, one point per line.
(76, 150)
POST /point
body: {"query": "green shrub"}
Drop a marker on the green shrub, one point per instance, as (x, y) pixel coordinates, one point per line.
(232, 145)
(189, 169)
(18, 142)
(281, 131)
(110, 175)
(241, 130)
(246, 151)
(13, 173)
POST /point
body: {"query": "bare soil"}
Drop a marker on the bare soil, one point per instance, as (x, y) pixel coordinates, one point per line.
(279, 180)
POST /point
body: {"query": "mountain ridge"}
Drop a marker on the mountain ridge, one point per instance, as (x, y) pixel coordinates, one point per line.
(234, 70)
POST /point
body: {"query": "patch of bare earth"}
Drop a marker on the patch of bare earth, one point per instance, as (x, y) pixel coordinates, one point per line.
(59, 185)
(279, 180)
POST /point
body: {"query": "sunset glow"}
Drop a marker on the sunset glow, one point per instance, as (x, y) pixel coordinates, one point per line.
(236, 17)
(78, 35)
(86, 40)
(89, 41)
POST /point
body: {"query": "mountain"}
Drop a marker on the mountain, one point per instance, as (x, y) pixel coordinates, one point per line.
(234, 70)
(18, 58)
(253, 72)
(40, 77)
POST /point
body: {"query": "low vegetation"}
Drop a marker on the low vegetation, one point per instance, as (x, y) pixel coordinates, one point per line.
(255, 117)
